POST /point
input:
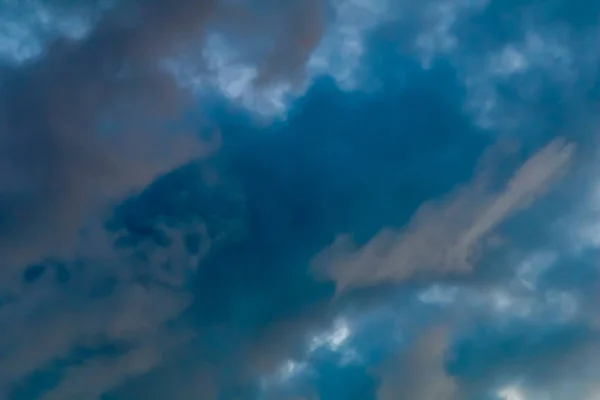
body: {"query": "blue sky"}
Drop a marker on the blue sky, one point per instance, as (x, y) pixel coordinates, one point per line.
(324, 199)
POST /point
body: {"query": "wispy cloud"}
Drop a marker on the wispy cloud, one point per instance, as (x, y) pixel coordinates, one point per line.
(447, 235)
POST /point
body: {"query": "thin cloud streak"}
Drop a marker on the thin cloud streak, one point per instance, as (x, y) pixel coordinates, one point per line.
(447, 235)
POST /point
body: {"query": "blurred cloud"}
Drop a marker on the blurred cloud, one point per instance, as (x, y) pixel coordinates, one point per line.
(174, 234)
(420, 373)
(59, 163)
(56, 161)
(455, 226)
(124, 291)
(537, 360)
(27, 26)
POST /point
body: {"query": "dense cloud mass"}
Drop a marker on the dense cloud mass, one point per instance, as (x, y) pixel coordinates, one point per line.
(317, 200)
(81, 122)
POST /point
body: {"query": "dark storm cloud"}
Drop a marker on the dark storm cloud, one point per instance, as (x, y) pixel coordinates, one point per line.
(59, 160)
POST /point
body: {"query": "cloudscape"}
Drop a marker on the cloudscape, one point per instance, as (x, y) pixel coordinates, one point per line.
(299, 200)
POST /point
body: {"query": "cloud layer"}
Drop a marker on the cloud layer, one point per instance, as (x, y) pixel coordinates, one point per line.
(419, 219)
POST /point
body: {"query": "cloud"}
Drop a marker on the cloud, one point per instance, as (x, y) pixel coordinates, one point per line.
(253, 301)
(420, 373)
(200, 285)
(129, 285)
(535, 360)
(466, 362)
(473, 356)
(174, 379)
(125, 287)
(444, 236)
(58, 323)
(95, 377)
(56, 161)
(87, 121)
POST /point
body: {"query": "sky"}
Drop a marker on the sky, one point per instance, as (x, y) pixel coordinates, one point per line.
(299, 200)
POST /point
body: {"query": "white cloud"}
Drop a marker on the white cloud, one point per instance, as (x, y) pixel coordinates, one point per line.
(26, 25)
(439, 295)
(334, 338)
(511, 393)
(437, 21)
(529, 269)
(338, 54)
(539, 58)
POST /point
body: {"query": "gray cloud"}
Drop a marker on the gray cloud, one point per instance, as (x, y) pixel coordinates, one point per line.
(446, 235)
(557, 363)
(172, 381)
(83, 126)
(56, 162)
(420, 373)
(87, 166)
(56, 323)
(97, 376)
(120, 291)
(59, 162)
